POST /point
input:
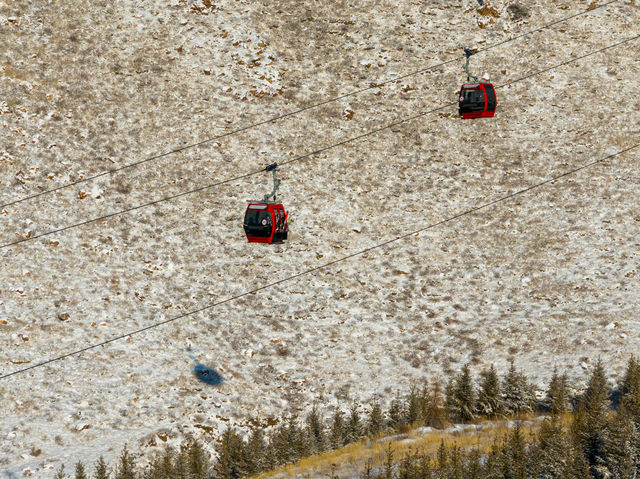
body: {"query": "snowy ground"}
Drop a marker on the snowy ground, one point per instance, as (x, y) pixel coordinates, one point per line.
(549, 277)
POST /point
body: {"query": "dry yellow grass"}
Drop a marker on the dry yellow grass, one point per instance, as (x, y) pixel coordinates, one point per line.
(374, 451)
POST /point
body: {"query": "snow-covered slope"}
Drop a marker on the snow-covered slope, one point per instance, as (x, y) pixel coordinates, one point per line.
(548, 277)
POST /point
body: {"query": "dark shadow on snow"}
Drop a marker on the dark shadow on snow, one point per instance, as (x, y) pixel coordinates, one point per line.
(207, 375)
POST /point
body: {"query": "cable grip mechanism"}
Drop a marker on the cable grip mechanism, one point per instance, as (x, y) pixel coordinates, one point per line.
(468, 52)
(276, 182)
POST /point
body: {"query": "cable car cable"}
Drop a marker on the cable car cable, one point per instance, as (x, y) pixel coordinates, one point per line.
(292, 113)
(328, 264)
(301, 157)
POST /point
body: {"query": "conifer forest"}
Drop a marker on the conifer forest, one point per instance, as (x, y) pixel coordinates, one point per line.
(324, 239)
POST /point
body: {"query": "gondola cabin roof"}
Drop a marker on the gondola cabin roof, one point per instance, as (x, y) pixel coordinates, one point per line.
(477, 100)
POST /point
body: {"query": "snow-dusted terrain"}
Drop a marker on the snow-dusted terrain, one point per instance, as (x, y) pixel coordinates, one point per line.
(549, 277)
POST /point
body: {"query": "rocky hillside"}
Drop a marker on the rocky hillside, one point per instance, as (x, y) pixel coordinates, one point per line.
(549, 277)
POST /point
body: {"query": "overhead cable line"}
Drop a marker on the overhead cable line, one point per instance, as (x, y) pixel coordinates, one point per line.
(325, 265)
(301, 157)
(294, 112)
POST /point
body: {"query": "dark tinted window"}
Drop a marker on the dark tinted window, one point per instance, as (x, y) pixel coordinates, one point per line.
(491, 97)
(472, 101)
(257, 223)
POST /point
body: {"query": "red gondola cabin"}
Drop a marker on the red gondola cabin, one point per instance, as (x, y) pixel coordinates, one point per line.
(477, 100)
(266, 223)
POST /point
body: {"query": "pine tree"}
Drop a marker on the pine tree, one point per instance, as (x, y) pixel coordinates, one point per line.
(367, 472)
(230, 451)
(621, 449)
(517, 453)
(80, 473)
(282, 444)
(517, 393)
(425, 470)
(395, 414)
(407, 468)
(388, 462)
(591, 417)
(489, 403)
(630, 391)
(315, 431)
(181, 463)
(473, 465)
(460, 397)
(442, 459)
(435, 414)
(549, 449)
(255, 453)
(495, 462)
(162, 467)
(354, 425)
(60, 474)
(126, 465)
(454, 465)
(198, 461)
(577, 466)
(450, 403)
(375, 424)
(300, 441)
(413, 409)
(337, 434)
(102, 471)
(558, 394)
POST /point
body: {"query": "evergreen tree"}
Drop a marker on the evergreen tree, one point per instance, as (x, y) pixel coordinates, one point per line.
(517, 393)
(354, 425)
(388, 463)
(465, 394)
(283, 444)
(126, 465)
(198, 461)
(577, 466)
(269, 456)
(80, 473)
(230, 451)
(495, 463)
(102, 471)
(315, 431)
(425, 470)
(375, 424)
(435, 414)
(255, 453)
(395, 413)
(517, 453)
(181, 464)
(413, 409)
(473, 465)
(558, 394)
(590, 421)
(367, 472)
(489, 403)
(408, 467)
(442, 459)
(630, 391)
(621, 449)
(60, 474)
(549, 451)
(298, 440)
(450, 403)
(337, 434)
(162, 467)
(460, 397)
